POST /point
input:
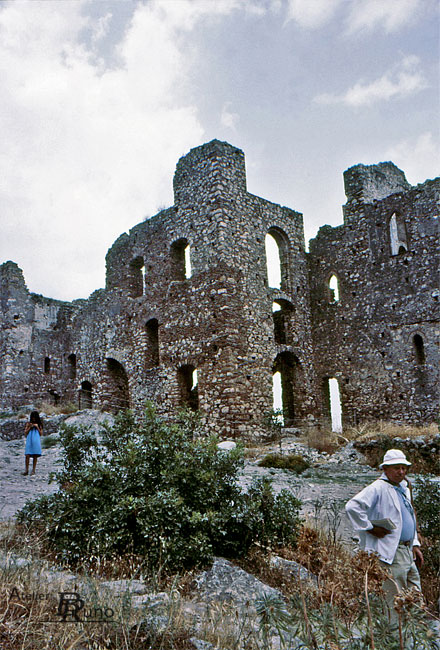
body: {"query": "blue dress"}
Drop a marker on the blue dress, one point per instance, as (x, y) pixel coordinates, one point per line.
(33, 443)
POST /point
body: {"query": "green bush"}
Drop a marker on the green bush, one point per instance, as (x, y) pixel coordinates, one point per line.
(152, 489)
(294, 462)
(427, 505)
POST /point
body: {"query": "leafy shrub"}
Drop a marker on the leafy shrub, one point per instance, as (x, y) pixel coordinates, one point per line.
(294, 462)
(427, 505)
(150, 488)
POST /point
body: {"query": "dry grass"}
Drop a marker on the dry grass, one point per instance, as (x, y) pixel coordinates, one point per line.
(371, 430)
(30, 619)
(340, 576)
(58, 409)
(24, 626)
(24, 620)
(323, 440)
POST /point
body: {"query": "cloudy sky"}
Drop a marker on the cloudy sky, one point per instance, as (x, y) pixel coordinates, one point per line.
(100, 98)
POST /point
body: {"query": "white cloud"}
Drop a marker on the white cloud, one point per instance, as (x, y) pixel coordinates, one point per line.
(360, 15)
(311, 14)
(100, 30)
(228, 118)
(389, 15)
(419, 157)
(88, 150)
(405, 78)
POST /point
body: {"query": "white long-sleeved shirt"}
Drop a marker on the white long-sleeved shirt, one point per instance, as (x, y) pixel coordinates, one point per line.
(378, 500)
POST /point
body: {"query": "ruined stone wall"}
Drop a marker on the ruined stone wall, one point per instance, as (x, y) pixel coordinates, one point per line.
(380, 339)
(160, 319)
(35, 344)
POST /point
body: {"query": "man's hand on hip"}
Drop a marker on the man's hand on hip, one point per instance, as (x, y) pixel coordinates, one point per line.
(418, 556)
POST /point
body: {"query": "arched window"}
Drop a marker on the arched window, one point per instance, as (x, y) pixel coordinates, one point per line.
(152, 329)
(72, 365)
(277, 259)
(398, 237)
(180, 260)
(85, 400)
(136, 277)
(46, 365)
(419, 349)
(291, 381)
(273, 263)
(333, 288)
(188, 383)
(115, 395)
(282, 311)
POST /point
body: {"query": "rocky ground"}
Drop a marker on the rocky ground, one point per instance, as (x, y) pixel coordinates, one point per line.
(323, 490)
(331, 479)
(16, 489)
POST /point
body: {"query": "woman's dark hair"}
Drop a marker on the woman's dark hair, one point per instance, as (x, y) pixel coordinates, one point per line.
(35, 418)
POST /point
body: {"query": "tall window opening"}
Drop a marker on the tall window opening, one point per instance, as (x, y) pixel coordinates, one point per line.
(189, 386)
(289, 383)
(85, 400)
(71, 359)
(180, 260)
(398, 237)
(277, 397)
(277, 259)
(273, 263)
(419, 349)
(152, 329)
(187, 253)
(282, 312)
(46, 365)
(332, 402)
(136, 277)
(333, 288)
(115, 394)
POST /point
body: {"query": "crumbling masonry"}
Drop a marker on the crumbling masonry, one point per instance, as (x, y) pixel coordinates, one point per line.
(188, 317)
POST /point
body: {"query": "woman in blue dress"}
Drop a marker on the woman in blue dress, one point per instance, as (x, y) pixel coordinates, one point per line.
(33, 431)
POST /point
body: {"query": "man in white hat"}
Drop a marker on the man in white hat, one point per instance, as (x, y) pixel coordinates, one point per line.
(383, 516)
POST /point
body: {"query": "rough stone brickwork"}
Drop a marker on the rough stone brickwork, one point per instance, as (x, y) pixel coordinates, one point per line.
(380, 339)
(188, 317)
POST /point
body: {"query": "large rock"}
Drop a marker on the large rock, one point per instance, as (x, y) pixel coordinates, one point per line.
(224, 582)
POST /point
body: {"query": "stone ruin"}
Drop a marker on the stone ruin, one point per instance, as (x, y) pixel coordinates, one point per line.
(187, 316)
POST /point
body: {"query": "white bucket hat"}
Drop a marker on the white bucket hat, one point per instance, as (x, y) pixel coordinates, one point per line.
(394, 457)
